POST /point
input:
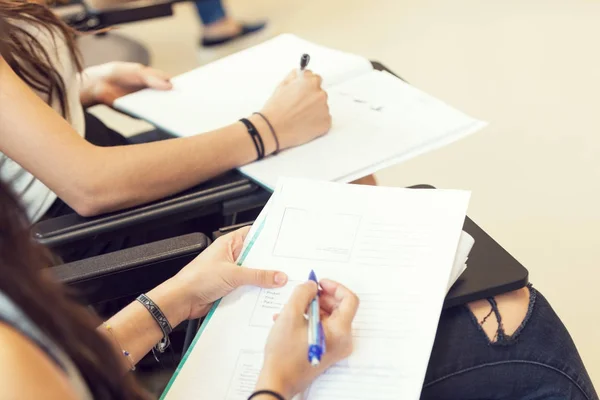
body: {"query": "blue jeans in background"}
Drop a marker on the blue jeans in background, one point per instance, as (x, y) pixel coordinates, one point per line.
(210, 11)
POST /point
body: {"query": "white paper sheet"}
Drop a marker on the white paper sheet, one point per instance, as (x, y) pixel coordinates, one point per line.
(394, 247)
(220, 93)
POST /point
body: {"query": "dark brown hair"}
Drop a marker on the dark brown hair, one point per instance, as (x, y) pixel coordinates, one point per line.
(27, 56)
(25, 279)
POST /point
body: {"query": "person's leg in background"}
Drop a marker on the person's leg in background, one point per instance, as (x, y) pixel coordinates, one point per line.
(219, 28)
(512, 346)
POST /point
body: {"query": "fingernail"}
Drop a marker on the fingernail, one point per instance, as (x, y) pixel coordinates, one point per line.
(280, 278)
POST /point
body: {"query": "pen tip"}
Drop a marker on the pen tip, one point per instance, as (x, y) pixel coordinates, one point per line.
(312, 276)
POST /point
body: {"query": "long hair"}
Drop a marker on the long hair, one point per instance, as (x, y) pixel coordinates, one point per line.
(27, 56)
(24, 278)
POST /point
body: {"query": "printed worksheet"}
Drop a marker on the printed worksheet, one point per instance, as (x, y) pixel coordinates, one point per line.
(396, 248)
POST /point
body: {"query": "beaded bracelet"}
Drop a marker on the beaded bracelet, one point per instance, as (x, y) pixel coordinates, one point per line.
(125, 352)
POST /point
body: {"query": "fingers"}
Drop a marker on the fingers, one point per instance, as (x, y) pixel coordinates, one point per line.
(327, 303)
(242, 276)
(235, 241)
(318, 80)
(308, 76)
(341, 300)
(301, 298)
(290, 77)
(156, 79)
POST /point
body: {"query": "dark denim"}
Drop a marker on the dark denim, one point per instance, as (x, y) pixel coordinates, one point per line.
(210, 11)
(539, 361)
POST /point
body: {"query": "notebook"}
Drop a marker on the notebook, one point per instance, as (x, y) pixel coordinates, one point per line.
(396, 248)
(378, 120)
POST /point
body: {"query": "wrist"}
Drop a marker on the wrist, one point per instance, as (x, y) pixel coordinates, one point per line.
(173, 301)
(265, 133)
(270, 380)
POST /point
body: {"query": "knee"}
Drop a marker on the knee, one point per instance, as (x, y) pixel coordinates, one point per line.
(503, 316)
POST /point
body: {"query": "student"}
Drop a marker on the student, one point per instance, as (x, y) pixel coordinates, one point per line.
(53, 348)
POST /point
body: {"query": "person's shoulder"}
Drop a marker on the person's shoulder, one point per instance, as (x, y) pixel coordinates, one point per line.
(27, 372)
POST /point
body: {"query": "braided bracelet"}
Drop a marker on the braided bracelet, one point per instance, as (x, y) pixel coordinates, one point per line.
(161, 320)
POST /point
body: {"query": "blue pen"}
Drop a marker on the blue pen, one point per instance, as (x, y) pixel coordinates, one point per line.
(316, 335)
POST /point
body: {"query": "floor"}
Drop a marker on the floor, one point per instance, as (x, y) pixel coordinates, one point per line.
(529, 67)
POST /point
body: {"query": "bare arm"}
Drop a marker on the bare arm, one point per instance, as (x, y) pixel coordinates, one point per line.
(188, 295)
(95, 180)
(23, 363)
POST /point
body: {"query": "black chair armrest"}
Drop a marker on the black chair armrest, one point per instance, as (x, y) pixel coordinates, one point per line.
(85, 17)
(228, 229)
(199, 201)
(130, 271)
(131, 11)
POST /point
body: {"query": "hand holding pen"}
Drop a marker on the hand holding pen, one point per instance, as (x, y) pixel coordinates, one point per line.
(286, 368)
(298, 110)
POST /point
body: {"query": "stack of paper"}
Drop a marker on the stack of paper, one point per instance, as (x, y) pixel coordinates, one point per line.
(396, 248)
(378, 120)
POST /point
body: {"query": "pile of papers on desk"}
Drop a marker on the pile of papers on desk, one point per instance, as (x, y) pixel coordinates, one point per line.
(398, 249)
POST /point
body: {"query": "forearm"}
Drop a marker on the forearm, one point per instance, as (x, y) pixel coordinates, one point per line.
(135, 330)
(93, 180)
(141, 173)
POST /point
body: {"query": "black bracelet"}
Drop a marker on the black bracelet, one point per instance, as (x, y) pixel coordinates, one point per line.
(160, 319)
(256, 138)
(269, 392)
(272, 131)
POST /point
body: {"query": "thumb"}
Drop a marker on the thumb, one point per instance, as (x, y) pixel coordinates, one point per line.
(258, 277)
(301, 298)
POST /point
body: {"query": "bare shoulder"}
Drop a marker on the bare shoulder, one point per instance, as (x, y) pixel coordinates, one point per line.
(26, 372)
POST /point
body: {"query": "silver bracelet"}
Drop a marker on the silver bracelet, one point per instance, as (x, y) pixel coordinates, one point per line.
(160, 319)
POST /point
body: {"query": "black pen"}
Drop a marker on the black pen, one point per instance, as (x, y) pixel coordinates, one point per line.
(304, 60)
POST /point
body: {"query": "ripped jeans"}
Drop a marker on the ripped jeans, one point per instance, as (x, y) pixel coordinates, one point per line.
(538, 361)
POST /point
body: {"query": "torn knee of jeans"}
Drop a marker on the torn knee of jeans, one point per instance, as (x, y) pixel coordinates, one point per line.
(502, 318)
